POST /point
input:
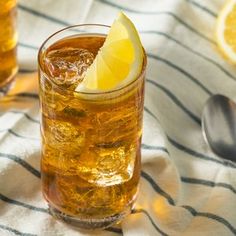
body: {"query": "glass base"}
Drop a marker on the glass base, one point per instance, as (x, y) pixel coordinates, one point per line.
(4, 89)
(89, 224)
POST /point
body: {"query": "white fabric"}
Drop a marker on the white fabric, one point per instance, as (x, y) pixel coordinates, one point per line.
(185, 190)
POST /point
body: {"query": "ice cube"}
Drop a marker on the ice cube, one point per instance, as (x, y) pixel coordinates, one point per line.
(107, 166)
(64, 136)
(67, 66)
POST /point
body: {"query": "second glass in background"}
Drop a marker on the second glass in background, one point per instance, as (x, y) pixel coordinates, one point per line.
(8, 44)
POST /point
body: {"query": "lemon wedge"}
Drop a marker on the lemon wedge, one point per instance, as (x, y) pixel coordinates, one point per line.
(225, 30)
(118, 62)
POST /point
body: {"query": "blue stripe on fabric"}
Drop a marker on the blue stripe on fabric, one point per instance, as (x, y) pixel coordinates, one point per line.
(24, 95)
(176, 101)
(205, 9)
(22, 162)
(200, 155)
(177, 18)
(26, 115)
(219, 66)
(181, 70)
(18, 135)
(30, 118)
(14, 231)
(30, 207)
(208, 183)
(42, 15)
(27, 46)
(114, 230)
(159, 148)
(25, 70)
(136, 211)
(211, 216)
(151, 114)
(157, 188)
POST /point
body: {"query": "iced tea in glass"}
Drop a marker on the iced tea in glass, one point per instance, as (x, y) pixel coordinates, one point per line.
(90, 141)
(8, 41)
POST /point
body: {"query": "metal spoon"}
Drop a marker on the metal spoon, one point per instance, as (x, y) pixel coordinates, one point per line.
(219, 126)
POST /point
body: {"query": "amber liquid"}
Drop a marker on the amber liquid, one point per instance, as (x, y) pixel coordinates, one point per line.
(8, 40)
(90, 147)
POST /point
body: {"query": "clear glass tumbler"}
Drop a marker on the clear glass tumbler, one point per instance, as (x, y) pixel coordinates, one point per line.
(8, 42)
(90, 141)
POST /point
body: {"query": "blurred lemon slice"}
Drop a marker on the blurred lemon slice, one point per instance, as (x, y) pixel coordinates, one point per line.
(226, 30)
(119, 60)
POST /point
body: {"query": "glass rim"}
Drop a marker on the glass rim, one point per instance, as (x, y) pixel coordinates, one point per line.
(140, 75)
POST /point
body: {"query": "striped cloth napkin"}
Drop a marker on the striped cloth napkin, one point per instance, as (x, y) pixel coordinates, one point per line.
(185, 190)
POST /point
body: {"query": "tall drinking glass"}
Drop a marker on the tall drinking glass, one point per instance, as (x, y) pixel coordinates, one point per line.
(8, 41)
(90, 140)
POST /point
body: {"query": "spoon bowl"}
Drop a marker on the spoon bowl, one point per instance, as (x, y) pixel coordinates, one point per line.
(219, 126)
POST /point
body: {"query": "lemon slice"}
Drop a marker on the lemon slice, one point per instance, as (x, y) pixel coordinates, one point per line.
(226, 30)
(119, 61)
